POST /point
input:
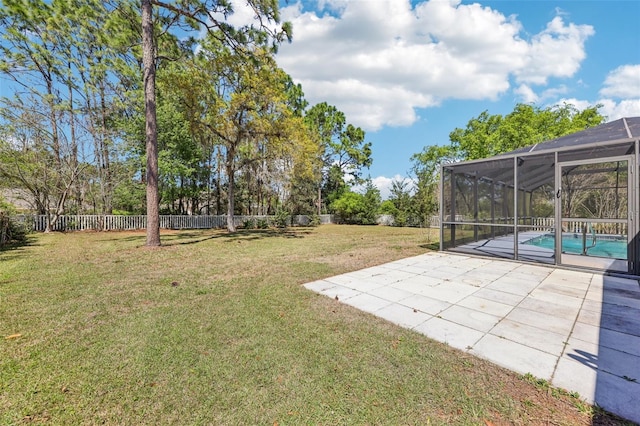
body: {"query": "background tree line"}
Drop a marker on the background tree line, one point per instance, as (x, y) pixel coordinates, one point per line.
(233, 133)
(228, 131)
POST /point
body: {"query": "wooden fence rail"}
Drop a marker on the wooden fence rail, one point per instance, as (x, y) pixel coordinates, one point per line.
(125, 223)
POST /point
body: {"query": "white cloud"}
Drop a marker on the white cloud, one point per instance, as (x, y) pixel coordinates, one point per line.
(578, 103)
(378, 61)
(384, 184)
(553, 92)
(555, 52)
(609, 108)
(614, 110)
(623, 82)
(526, 94)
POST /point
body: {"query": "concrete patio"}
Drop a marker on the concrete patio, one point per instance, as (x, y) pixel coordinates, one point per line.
(576, 329)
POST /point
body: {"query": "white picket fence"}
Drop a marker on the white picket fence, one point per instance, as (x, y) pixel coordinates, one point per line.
(125, 223)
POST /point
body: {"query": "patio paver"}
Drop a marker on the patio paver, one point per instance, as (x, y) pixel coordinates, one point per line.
(577, 329)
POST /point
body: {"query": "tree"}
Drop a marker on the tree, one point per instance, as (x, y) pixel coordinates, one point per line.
(195, 14)
(151, 127)
(80, 99)
(402, 201)
(372, 202)
(34, 145)
(344, 150)
(488, 135)
(356, 208)
(426, 169)
(388, 208)
(181, 159)
(63, 69)
(350, 207)
(242, 105)
(302, 196)
(29, 160)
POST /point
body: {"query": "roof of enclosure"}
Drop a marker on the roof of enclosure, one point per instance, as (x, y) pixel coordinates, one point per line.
(606, 140)
(614, 131)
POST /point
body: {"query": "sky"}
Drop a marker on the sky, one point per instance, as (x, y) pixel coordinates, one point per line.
(410, 72)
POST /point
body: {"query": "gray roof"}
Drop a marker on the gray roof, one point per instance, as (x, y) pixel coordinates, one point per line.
(618, 130)
(612, 139)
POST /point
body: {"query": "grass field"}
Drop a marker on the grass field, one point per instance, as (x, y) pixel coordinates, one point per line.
(216, 328)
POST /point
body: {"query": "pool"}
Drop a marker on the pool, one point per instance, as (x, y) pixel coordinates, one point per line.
(606, 245)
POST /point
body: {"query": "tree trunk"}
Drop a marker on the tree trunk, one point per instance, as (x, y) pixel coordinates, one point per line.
(218, 177)
(106, 178)
(149, 77)
(230, 169)
(74, 143)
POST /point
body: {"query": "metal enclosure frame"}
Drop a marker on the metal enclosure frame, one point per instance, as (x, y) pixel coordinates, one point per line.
(493, 207)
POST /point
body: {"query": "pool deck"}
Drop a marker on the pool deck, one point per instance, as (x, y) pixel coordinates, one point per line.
(502, 247)
(577, 329)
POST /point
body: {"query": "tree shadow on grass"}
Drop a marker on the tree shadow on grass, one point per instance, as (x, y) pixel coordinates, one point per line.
(240, 235)
(16, 249)
(172, 237)
(435, 246)
(178, 237)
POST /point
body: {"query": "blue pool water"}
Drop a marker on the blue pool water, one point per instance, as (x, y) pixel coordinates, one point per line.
(612, 248)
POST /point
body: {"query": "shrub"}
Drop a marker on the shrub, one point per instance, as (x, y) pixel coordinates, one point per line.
(387, 207)
(282, 218)
(314, 220)
(352, 208)
(10, 229)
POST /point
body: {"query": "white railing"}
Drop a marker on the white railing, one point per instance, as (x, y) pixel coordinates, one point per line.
(542, 223)
(127, 223)
(576, 226)
(547, 224)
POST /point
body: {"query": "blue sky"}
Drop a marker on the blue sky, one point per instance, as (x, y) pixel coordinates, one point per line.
(411, 72)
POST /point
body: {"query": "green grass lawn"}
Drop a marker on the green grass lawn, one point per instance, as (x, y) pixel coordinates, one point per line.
(216, 328)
